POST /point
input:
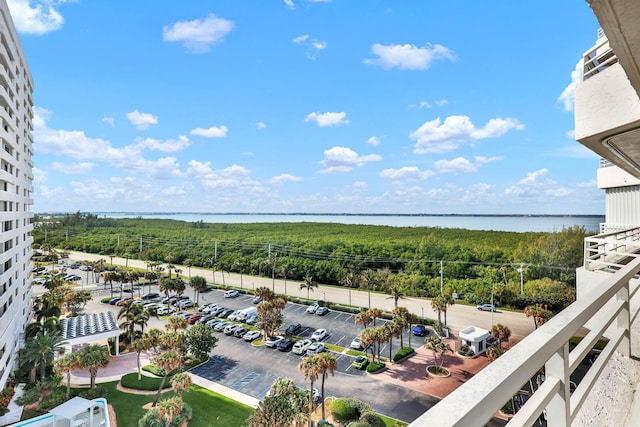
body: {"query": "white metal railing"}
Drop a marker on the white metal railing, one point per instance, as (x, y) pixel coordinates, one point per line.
(598, 58)
(606, 251)
(476, 401)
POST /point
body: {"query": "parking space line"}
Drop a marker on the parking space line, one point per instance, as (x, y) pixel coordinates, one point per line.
(242, 382)
(341, 339)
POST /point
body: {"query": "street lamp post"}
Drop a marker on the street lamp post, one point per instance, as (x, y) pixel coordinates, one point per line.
(521, 270)
(422, 314)
(441, 278)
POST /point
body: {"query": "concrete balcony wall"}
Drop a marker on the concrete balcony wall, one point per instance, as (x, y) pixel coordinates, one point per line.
(613, 176)
(605, 105)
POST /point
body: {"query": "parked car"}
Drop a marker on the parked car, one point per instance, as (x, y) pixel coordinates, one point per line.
(233, 316)
(113, 301)
(151, 295)
(219, 327)
(239, 332)
(321, 311)
(356, 343)
(293, 329)
(486, 307)
(231, 329)
(217, 310)
(207, 308)
(194, 318)
(225, 313)
(360, 362)
(179, 300)
(205, 318)
(169, 299)
(40, 281)
(313, 307)
(301, 346)
(315, 348)
(251, 336)
(231, 294)
(420, 330)
(186, 304)
(256, 300)
(182, 313)
(319, 335)
(213, 322)
(272, 342)
(85, 268)
(286, 344)
(252, 320)
(38, 269)
(164, 310)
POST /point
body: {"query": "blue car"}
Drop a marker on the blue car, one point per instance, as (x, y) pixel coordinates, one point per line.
(113, 301)
(420, 330)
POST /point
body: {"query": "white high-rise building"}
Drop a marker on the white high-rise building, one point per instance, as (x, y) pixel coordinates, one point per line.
(16, 186)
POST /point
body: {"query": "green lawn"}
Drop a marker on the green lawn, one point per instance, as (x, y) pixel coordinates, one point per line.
(209, 409)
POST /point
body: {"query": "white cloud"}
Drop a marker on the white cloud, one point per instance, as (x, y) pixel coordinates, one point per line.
(437, 137)
(408, 57)
(318, 45)
(374, 140)
(198, 35)
(261, 125)
(212, 132)
(81, 168)
(168, 146)
(301, 38)
(409, 173)
(36, 17)
(142, 121)
(109, 120)
(462, 165)
(289, 4)
(282, 178)
(164, 168)
(327, 119)
(342, 159)
(566, 98)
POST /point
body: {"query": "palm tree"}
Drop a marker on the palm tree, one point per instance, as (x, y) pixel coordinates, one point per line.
(133, 315)
(167, 362)
(501, 332)
(166, 286)
(94, 357)
(198, 283)
(42, 348)
(170, 408)
(309, 366)
(363, 318)
(175, 323)
(46, 306)
(64, 366)
(397, 291)
(282, 387)
(326, 364)
(448, 300)
(383, 335)
(143, 344)
(181, 382)
(188, 263)
(439, 347)
(539, 313)
(403, 316)
(264, 293)
(374, 313)
(399, 325)
(368, 340)
(308, 284)
(439, 305)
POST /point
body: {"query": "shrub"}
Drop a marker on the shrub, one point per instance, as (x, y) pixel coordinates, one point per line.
(465, 350)
(105, 300)
(375, 367)
(324, 423)
(29, 396)
(152, 418)
(371, 419)
(130, 380)
(342, 410)
(53, 399)
(5, 397)
(94, 393)
(402, 353)
(507, 408)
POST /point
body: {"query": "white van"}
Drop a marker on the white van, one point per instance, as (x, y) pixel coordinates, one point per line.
(245, 314)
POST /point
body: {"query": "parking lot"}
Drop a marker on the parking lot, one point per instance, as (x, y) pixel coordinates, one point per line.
(252, 369)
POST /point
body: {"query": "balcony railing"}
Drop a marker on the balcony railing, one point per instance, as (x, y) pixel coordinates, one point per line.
(598, 58)
(610, 250)
(476, 402)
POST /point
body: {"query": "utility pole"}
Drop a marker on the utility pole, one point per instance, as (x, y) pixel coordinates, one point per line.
(441, 278)
(521, 270)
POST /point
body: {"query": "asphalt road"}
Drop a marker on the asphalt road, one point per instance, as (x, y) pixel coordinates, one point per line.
(458, 316)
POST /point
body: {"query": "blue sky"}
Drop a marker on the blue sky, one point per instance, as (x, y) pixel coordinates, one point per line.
(334, 106)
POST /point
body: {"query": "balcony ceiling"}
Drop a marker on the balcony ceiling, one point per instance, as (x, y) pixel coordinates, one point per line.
(620, 20)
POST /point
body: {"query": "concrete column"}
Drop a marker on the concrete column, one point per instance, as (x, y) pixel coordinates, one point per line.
(118, 345)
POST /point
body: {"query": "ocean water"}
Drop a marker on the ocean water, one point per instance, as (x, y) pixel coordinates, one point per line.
(517, 223)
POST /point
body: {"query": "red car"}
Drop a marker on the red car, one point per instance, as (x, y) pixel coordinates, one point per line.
(194, 317)
(124, 301)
